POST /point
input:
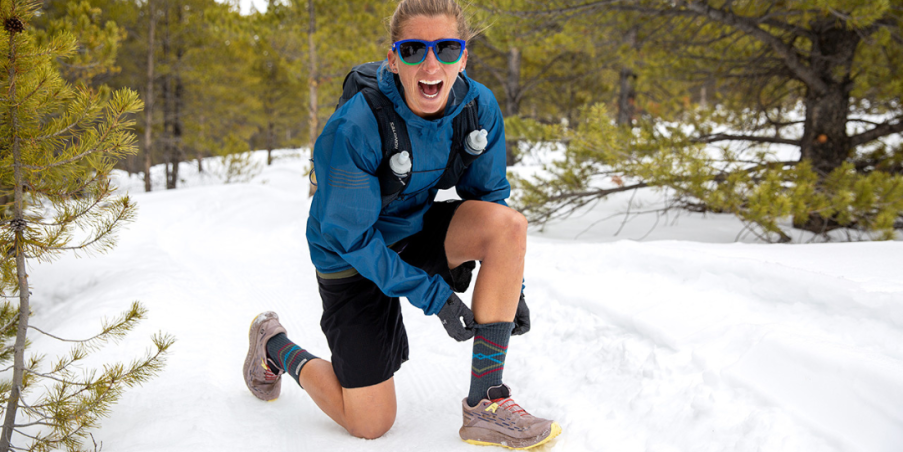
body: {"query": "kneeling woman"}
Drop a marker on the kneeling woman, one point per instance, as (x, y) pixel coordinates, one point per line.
(368, 254)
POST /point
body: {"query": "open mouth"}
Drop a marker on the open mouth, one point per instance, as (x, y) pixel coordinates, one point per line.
(430, 88)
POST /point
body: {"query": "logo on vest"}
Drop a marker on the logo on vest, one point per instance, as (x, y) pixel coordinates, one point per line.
(394, 134)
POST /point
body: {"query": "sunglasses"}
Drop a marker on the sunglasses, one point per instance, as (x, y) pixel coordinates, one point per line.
(413, 51)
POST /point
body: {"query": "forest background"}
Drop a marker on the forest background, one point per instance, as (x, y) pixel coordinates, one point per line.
(786, 114)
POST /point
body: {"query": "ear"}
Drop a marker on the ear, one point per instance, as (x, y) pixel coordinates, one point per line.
(463, 61)
(393, 60)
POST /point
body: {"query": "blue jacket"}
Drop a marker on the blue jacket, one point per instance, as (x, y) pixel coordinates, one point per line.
(348, 228)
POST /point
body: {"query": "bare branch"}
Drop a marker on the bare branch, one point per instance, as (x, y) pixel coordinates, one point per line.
(598, 193)
(880, 131)
(750, 26)
(61, 380)
(752, 138)
(65, 340)
(33, 424)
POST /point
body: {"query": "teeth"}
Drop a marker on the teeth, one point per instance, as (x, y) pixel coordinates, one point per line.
(433, 82)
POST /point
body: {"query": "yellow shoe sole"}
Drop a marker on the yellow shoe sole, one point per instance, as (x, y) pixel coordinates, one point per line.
(556, 430)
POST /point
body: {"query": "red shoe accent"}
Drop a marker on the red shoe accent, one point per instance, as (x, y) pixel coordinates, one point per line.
(510, 405)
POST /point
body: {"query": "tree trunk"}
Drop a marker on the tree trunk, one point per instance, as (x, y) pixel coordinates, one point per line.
(167, 100)
(626, 98)
(313, 125)
(167, 122)
(12, 404)
(825, 142)
(177, 154)
(271, 140)
(149, 96)
(512, 100)
(202, 134)
(626, 91)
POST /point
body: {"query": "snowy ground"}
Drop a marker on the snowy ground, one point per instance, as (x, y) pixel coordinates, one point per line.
(685, 341)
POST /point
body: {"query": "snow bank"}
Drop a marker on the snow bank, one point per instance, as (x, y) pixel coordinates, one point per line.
(656, 346)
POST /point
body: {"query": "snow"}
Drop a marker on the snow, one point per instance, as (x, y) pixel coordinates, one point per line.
(686, 340)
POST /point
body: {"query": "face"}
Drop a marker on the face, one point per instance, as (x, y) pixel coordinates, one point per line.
(427, 85)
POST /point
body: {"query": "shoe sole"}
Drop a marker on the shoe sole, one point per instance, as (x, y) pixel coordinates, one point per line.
(250, 356)
(556, 430)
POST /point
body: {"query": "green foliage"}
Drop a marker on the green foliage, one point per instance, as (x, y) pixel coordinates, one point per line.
(777, 73)
(238, 164)
(97, 39)
(59, 145)
(76, 400)
(603, 159)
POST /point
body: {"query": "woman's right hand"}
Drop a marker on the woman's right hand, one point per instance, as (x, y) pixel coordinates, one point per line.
(457, 319)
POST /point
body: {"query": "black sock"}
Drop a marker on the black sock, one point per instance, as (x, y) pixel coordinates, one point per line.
(287, 356)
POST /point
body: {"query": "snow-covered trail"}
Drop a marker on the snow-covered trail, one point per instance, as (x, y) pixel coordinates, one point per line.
(636, 346)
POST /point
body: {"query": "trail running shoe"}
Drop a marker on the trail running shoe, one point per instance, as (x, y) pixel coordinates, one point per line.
(498, 421)
(263, 382)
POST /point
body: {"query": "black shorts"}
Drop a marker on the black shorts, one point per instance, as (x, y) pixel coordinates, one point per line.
(363, 326)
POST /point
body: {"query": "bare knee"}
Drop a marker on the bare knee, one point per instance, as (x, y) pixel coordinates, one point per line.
(509, 228)
(370, 411)
(371, 428)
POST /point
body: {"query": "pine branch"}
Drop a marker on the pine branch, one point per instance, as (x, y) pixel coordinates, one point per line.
(33, 92)
(110, 227)
(112, 128)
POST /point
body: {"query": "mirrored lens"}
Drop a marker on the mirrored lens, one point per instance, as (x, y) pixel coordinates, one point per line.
(448, 51)
(412, 52)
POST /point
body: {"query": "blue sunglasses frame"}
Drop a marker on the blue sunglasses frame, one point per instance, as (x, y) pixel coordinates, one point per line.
(429, 45)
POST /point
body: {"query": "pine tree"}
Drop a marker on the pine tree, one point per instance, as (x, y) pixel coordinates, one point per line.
(58, 145)
(97, 37)
(813, 75)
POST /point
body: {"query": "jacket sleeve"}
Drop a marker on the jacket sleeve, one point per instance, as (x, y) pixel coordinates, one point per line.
(486, 179)
(348, 203)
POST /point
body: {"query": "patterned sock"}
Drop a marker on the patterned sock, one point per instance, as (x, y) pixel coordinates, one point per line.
(490, 345)
(288, 356)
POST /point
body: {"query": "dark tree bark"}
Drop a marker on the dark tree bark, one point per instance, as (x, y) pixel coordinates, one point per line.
(825, 141)
(512, 99)
(626, 91)
(313, 126)
(626, 97)
(15, 392)
(167, 94)
(149, 94)
(176, 151)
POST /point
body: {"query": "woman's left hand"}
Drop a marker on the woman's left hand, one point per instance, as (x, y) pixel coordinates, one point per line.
(521, 318)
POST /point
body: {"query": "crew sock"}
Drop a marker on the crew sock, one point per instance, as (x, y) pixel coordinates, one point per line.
(287, 356)
(490, 345)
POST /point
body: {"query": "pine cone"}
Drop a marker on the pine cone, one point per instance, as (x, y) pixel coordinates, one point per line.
(13, 25)
(17, 225)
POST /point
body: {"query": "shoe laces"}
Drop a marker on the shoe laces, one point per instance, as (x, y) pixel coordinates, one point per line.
(508, 404)
(268, 375)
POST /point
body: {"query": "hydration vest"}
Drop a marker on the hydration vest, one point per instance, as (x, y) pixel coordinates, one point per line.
(393, 131)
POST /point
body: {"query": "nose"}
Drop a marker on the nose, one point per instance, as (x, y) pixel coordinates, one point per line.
(431, 63)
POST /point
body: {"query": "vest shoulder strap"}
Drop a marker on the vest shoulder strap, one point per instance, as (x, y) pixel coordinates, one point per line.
(393, 133)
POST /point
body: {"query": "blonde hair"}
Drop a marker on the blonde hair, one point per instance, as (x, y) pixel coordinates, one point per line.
(410, 8)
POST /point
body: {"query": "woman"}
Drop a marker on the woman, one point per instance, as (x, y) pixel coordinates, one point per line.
(367, 255)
